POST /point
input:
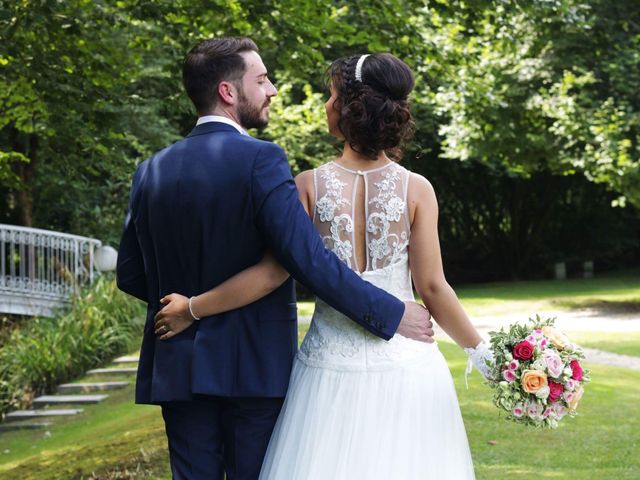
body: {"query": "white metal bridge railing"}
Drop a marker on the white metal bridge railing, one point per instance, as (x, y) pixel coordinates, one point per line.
(40, 269)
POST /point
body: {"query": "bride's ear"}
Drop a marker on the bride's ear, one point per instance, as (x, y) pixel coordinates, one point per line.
(228, 92)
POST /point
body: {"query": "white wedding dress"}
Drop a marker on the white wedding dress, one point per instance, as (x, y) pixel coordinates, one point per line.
(359, 407)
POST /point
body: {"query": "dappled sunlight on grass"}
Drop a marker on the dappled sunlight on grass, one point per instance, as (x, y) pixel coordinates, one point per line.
(626, 343)
(606, 293)
(598, 444)
(118, 439)
(305, 308)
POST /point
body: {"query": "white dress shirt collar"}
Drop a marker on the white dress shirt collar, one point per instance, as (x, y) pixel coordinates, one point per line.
(221, 119)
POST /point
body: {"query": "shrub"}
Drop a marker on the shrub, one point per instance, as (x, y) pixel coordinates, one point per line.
(101, 323)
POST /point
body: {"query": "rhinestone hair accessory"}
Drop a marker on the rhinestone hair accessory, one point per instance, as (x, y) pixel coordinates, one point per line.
(359, 67)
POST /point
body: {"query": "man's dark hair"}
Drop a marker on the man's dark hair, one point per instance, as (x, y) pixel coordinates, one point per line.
(209, 63)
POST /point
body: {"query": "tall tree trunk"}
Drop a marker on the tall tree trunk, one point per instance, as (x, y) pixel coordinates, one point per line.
(26, 172)
(25, 197)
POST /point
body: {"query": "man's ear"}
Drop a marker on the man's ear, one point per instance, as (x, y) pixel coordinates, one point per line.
(228, 92)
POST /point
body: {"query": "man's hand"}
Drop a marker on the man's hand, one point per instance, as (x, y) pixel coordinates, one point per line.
(416, 323)
(174, 316)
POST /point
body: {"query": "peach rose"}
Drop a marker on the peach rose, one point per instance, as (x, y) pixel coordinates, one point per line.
(558, 338)
(575, 399)
(533, 380)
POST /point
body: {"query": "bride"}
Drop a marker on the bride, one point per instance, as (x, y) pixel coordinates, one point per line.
(359, 407)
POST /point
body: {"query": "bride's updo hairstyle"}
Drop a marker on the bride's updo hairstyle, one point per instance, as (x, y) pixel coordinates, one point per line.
(372, 103)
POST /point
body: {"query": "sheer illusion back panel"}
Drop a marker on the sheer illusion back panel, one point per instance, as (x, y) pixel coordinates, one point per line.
(363, 213)
(358, 406)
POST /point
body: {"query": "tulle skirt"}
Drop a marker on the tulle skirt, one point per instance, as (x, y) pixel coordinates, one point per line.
(400, 423)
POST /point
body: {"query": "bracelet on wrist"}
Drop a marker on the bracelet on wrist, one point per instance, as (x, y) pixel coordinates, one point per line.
(191, 310)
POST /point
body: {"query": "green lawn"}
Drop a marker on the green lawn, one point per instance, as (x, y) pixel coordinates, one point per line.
(118, 440)
(619, 293)
(601, 443)
(113, 440)
(627, 343)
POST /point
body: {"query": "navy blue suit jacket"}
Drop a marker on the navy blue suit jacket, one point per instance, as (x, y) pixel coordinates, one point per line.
(201, 211)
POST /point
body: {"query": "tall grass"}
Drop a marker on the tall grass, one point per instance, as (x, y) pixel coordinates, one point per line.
(102, 322)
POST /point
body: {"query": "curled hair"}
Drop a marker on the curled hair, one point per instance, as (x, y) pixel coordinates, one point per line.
(374, 113)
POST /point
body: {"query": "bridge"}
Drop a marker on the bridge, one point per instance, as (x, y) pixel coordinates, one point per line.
(40, 269)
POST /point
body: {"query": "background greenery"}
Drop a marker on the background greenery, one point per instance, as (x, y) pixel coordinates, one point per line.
(39, 354)
(527, 112)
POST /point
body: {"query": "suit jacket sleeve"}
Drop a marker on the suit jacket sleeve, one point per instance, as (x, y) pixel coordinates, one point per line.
(130, 270)
(297, 245)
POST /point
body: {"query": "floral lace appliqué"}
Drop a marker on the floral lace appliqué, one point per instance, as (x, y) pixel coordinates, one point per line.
(341, 225)
(388, 207)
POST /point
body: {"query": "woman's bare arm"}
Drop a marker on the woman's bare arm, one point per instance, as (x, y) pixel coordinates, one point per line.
(426, 266)
(242, 289)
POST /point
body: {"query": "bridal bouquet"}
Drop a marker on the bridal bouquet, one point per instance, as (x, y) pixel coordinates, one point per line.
(540, 379)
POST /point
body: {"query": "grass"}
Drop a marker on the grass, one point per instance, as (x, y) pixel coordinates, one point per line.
(627, 343)
(617, 294)
(113, 440)
(120, 440)
(606, 294)
(601, 443)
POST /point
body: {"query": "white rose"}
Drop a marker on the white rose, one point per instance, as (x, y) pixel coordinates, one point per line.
(540, 365)
(543, 392)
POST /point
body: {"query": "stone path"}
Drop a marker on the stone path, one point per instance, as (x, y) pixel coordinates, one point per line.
(23, 419)
(612, 359)
(583, 320)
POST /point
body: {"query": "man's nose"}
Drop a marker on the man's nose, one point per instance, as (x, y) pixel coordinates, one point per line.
(272, 92)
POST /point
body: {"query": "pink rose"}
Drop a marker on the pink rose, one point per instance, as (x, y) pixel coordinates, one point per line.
(576, 369)
(555, 391)
(553, 362)
(523, 350)
(534, 410)
(571, 384)
(513, 365)
(509, 375)
(518, 410)
(559, 409)
(543, 343)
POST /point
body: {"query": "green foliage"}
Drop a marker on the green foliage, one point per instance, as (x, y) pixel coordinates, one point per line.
(101, 323)
(71, 74)
(300, 128)
(510, 96)
(548, 86)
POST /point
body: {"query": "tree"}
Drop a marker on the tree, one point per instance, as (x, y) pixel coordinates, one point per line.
(72, 125)
(551, 86)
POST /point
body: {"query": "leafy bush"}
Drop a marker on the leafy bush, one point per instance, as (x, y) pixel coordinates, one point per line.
(101, 323)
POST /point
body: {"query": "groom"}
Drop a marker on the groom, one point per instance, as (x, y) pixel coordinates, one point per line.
(200, 211)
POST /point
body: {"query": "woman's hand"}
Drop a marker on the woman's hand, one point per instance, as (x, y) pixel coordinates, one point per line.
(482, 358)
(174, 317)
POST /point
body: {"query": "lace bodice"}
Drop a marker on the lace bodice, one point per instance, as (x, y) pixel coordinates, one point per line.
(385, 213)
(334, 340)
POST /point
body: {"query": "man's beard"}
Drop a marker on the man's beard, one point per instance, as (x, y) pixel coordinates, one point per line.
(249, 115)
